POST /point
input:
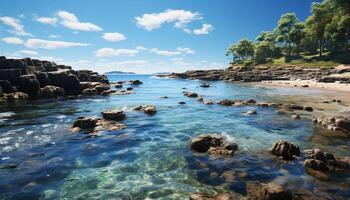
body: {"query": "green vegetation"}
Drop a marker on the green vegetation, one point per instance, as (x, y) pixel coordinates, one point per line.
(321, 41)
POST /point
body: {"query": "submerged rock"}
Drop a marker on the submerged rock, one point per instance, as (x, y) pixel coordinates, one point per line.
(213, 144)
(267, 191)
(226, 102)
(205, 85)
(334, 123)
(118, 115)
(285, 150)
(295, 116)
(251, 112)
(92, 124)
(149, 109)
(222, 196)
(15, 97)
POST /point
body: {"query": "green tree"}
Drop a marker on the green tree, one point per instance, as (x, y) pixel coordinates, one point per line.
(321, 15)
(245, 49)
(297, 34)
(262, 52)
(232, 50)
(284, 30)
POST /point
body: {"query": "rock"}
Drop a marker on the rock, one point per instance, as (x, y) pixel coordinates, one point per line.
(100, 88)
(226, 102)
(221, 196)
(205, 85)
(16, 96)
(213, 144)
(6, 86)
(342, 123)
(263, 104)
(308, 108)
(106, 92)
(334, 123)
(92, 124)
(129, 88)
(89, 91)
(250, 101)
(323, 161)
(208, 102)
(267, 191)
(118, 115)
(292, 107)
(251, 112)
(295, 117)
(118, 85)
(190, 94)
(304, 86)
(69, 82)
(51, 91)
(149, 109)
(285, 150)
(182, 102)
(136, 82)
(30, 85)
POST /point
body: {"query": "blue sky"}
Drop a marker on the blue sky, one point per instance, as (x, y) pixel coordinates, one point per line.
(140, 36)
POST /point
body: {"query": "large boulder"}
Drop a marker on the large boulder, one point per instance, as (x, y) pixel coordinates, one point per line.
(6, 86)
(69, 82)
(30, 85)
(285, 150)
(213, 144)
(51, 91)
(118, 115)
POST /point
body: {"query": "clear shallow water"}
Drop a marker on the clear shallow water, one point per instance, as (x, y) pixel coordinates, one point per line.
(150, 159)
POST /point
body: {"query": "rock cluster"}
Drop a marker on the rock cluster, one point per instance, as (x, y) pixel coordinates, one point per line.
(149, 109)
(334, 123)
(190, 94)
(222, 196)
(267, 191)
(213, 144)
(323, 161)
(285, 150)
(118, 115)
(38, 78)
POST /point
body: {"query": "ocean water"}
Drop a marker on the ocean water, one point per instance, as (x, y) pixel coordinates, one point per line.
(150, 159)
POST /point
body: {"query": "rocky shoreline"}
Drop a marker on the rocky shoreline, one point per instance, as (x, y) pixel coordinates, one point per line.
(263, 73)
(22, 79)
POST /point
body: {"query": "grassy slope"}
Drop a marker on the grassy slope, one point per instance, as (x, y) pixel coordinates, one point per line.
(312, 61)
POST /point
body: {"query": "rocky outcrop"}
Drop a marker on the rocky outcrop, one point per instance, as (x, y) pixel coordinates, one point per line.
(213, 144)
(334, 123)
(93, 125)
(263, 73)
(324, 162)
(285, 150)
(32, 76)
(149, 109)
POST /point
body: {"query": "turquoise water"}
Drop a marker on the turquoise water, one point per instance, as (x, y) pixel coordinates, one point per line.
(150, 158)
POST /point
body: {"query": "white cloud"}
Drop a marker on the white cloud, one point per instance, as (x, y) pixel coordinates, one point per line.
(151, 21)
(206, 28)
(186, 50)
(178, 51)
(28, 52)
(141, 48)
(50, 44)
(113, 37)
(165, 52)
(69, 20)
(47, 20)
(16, 25)
(12, 40)
(54, 36)
(109, 52)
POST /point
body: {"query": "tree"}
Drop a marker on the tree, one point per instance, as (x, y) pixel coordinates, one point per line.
(262, 52)
(245, 49)
(232, 50)
(297, 34)
(321, 15)
(284, 30)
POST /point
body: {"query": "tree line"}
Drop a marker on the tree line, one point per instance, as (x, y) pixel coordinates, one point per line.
(327, 29)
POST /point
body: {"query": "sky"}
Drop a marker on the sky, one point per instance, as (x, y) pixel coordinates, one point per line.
(139, 36)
